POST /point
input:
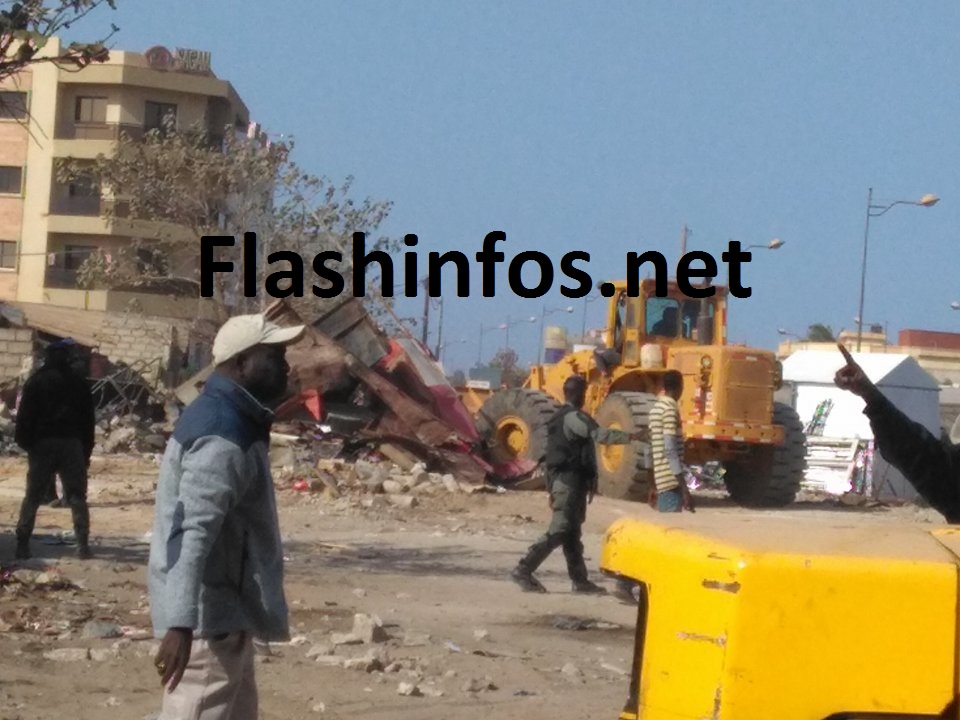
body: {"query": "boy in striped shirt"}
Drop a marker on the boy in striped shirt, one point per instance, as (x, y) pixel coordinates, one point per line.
(666, 444)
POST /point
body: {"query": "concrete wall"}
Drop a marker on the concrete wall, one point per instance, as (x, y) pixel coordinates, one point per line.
(16, 346)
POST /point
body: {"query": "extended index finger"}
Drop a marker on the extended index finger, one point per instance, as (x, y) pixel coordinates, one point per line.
(846, 355)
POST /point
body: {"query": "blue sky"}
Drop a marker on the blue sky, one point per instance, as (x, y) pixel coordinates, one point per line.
(607, 126)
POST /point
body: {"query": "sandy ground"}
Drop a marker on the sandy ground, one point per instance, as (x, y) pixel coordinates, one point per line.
(437, 576)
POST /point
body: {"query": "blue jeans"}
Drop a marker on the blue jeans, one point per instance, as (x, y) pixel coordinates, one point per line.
(670, 500)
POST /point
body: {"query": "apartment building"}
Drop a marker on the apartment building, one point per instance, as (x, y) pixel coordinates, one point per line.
(47, 229)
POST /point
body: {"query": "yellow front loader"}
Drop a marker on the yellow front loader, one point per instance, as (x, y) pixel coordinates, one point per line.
(728, 410)
(749, 617)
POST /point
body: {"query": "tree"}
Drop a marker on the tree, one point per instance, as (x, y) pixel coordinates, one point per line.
(820, 333)
(507, 361)
(28, 25)
(189, 184)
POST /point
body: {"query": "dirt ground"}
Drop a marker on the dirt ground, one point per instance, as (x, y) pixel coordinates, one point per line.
(472, 643)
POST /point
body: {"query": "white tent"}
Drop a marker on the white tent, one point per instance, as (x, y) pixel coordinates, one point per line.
(911, 388)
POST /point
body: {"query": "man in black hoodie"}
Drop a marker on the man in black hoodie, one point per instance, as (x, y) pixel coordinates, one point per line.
(930, 463)
(55, 425)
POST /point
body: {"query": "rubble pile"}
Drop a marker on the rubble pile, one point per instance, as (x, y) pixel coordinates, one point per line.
(372, 482)
(131, 433)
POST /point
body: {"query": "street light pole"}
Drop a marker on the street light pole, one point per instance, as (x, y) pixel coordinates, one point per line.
(863, 268)
(926, 201)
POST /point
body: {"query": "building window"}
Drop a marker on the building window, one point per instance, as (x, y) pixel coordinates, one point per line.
(156, 115)
(13, 105)
(8, 255)
(84, 187)
(91, 110)
(11, 179)
(75, 255)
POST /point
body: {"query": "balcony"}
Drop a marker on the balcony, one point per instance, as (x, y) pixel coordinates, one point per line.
(60, 278)
(76, 206)
(97, 131)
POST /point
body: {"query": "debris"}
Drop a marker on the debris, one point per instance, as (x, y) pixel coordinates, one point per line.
(101, 629)
(409, 690)
(104, 654)
(614, 669)
(481, 634)
(67, 654)
(452, 646)
(330, 660)
(320, 649)
(338, 639)
(369, 629)
(367, 663)
(571, 670)
(404, 501)
(450, 484)
(476, 685)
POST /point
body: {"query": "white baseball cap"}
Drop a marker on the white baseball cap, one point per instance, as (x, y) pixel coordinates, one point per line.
(243, 332)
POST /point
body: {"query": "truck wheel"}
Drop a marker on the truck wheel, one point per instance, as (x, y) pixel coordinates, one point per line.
(621, 468)
(513, 424)
(771, 476)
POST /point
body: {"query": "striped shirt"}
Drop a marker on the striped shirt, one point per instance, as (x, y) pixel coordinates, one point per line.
(666, 442)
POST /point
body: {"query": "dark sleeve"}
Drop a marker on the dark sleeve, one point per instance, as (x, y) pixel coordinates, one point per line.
(87, 415)
(930, 464)
(26, 416)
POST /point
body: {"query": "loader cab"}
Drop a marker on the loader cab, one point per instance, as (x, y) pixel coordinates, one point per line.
(676, 319)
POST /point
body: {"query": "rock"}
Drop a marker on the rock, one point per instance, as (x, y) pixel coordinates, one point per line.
(412, 638)
(101, 629)
(298, 641)
(425, 489)
(408, 689)
(419, 475)
(104, 654)
(377, 501)
(392, 487)
(366, 664)
(330, 660)
(319, 708)
(67, 654)
(359, 592)
(614, 669)
(345, 639)
(393, 667)
(119, 439)
(476, 685)
(449, 674)
(450, 484)
(571, 670)
(431, 691)
(481, 634)
(320, 649)
(369, 628)
(403, 501)
(153, 441)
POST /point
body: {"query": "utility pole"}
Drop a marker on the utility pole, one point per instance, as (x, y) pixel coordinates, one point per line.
(436, 354)
(426, 313)
(684, 234)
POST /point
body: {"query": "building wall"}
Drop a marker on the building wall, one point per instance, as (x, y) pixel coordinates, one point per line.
(128, 83)
(16, 345)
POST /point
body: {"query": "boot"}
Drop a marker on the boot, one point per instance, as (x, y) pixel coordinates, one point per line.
(23, 548)
(522, 576)
(83, 549)
(587, 587)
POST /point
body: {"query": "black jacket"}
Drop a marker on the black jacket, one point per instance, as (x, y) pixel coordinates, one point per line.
(930, 464)
(56, 403)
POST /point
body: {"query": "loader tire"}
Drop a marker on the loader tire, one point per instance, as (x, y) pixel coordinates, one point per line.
(621, 469)
(771, 477)
(513, 424)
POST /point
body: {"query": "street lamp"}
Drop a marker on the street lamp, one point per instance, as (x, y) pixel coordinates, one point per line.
(784, 331)
(586, 301)
(774, 244)
(507, 325)
(543, 314)
(876, 211)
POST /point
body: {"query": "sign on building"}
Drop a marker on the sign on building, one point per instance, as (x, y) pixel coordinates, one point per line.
(182, 60)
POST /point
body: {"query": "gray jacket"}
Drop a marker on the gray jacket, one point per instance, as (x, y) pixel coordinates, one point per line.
(216, 559)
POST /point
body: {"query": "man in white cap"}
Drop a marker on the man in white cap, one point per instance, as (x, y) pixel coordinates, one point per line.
(216, 560)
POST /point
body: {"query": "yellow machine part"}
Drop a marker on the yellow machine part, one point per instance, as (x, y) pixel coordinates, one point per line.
(753, 617)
